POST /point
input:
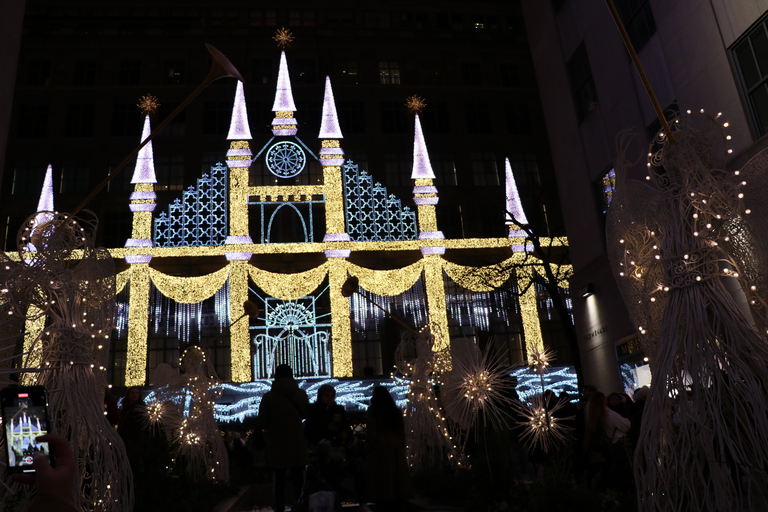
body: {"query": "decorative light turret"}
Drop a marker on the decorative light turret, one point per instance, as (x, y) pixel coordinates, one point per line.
(332, 158)
(239, 161)
(284, 123)
(143, 198)
(424, 191)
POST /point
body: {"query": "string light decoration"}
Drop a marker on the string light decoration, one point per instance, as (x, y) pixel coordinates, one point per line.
(541, 422)
(198, 439)
(477, 391)
(421, 286)
(283, 37)
(429, 444)
(415, 104)
(75, 298)
(148, 104)
(676, 242)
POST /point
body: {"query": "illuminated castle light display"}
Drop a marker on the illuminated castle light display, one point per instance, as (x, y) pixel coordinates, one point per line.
(284, 199)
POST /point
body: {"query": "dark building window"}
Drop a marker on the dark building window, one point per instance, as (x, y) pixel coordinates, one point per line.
(484, 169)
(121, 182)
(389, 73)
(39, 72)
(170, 172)
(303, 72)
(130, 72)
(28, 177)
(262, 71)
(436, 119)
(84, 72)
(518, 118)
(117, 228)
(33, 121)
(308, 115)
(393, 117)
(582, 84)
(478, 117)
(346, 70)
(74, 176)
(750, 57)
(79, 120)
(126, 120)
(638, 20)
(177, 126)
(471, 74)
(216, 117)
(174, 72)
(509, 74)
(449, 220)
(444, 169)
(351, 116)
(399, 167)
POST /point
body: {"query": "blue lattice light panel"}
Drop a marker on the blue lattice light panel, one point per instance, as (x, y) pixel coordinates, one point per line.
(199, 218)
(371, 213)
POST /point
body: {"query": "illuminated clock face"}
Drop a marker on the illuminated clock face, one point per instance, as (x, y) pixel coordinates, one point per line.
(286, 159)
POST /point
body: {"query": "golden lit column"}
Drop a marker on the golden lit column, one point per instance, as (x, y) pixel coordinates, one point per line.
(335, 226)
(341, 331)
(142, 205)
(138, 321)
(239, 334)
(433, 277)
(529, 310)
(238, 161)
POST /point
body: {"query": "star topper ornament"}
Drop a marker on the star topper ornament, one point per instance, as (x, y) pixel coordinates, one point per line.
(283, 37)
(415, 104)
(148, 104)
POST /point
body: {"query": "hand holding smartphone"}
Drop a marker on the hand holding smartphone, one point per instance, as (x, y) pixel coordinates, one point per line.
(25, 418)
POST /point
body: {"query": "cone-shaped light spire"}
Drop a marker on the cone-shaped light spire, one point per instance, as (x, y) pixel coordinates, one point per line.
(145, 162)
(515, 216)
(283, 96)
(45, 204)
(329, 128)
(422, 168)
(238, 127)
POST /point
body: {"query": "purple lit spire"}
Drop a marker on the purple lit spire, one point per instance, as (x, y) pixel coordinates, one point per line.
(145, 163)
(330, 124)
(238, 127)
(515, 216)
(422, 168)
(283, 96)
(46, 194)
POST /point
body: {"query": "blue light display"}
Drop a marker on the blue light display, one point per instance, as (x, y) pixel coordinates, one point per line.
(371, 213)
(200, 217)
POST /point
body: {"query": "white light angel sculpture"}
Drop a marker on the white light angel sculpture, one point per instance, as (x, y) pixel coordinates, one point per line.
(689, 249)
(63, 285)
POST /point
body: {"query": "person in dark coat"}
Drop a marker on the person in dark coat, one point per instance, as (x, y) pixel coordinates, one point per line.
(388, 480)
(327, 420)
(280, 414)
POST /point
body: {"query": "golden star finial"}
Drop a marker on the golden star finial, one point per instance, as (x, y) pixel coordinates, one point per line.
(283, 37)
(415, 104)
(148, 104)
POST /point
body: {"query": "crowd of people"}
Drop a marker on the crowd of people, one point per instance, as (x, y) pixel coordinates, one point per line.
(313, 451)
(319, 454)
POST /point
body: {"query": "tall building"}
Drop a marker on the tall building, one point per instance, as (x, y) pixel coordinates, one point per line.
(276, 190)
(696, 55)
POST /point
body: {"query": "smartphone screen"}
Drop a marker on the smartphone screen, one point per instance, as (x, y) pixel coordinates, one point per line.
(25, 418)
